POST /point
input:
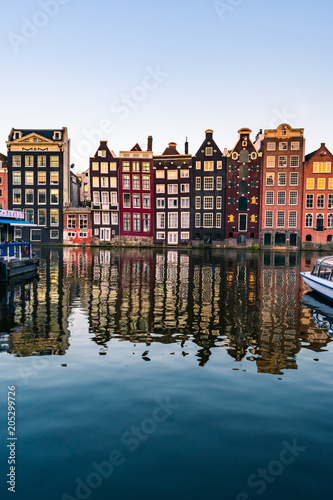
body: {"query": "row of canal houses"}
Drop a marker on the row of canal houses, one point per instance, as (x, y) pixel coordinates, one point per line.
(264, 193)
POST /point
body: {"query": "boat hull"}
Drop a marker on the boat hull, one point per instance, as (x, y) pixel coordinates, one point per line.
(319, 285)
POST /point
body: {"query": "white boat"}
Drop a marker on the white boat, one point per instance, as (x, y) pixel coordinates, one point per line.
(320, 279)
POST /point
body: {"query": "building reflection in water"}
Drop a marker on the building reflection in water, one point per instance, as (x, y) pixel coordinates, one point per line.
(246, 303)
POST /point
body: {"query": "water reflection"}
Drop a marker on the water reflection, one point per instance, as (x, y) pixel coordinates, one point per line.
(247, 304)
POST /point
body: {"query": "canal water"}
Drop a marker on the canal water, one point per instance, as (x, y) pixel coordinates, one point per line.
(167, 374)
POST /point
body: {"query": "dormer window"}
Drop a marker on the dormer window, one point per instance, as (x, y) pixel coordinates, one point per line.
(57, 136)
(102, 153)
(17, 135)
(283, 132)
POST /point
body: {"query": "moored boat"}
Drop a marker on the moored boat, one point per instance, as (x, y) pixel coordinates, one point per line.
(16, 257)
(320, 278)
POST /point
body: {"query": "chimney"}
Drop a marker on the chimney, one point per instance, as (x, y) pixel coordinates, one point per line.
(322, 145)
(209, 134)
(150, 143)
(225, 151)
(186, 147)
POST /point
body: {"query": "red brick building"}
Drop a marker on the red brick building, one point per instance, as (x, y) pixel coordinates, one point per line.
(136, 196)
(317, 225)
(77, 226)
(243, 192)
(281, 187)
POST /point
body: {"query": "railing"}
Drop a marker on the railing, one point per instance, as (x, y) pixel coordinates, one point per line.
(15, 250)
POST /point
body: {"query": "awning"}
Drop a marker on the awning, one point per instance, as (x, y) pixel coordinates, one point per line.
(14, 222)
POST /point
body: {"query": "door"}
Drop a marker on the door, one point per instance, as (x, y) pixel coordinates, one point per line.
(267, 239)
(293, 240)
(173, 238)
(242, 222)
(105, 201)
(208, 239)
(280, 239)
(105, 234)
(241, 239)
(320, 223)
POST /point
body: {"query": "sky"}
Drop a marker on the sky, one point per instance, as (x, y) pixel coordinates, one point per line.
(120, 71)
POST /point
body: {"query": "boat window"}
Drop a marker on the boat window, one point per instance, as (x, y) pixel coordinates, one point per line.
(324, 272)
(315, 270)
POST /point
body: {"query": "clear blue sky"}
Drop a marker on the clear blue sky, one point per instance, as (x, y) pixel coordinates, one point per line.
(124, 70)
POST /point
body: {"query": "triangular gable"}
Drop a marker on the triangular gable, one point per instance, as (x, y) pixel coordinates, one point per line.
(136, 148)
(30, 137)
(246, 131)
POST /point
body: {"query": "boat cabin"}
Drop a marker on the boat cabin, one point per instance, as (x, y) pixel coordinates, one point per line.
(323, 268)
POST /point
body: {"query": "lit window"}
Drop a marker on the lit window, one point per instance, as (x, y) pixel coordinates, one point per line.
(160, 174)
(54, 161)
(207, 220)
(198, 165)
(113, 165)
(145, 182)
(29, 196)
(322, 167)
(269, 179)
(29, 161)
(209, 166)
(309, 183)
(184, 174)
(54, 177)
(282, 179)
(160, 188)
(136, 222)
(172, 174)
(218, 183)
(113, 182)
(16, 177)
(95, 182)
(16, 196)
(16, 161)
(104, 167)
(95, 165)
(208, 183)
(282, 161)
(270, 161)
(198, 183)
(127, 222)
(54, 196)
(54, 214)
(271, 146)
(283, 146)
(321, 183)
(295, 146)
(209, 151)
(145, 166)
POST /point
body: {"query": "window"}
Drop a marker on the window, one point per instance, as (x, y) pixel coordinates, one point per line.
(184, 174)
(209, 166)
(54, 196)
(83, 221)
(160, 174)
(146, 223)
(16, 177)
(172, 174)
(330, 183)
(218, 202)
(271, 146)
(232, 200)
(231, 218)
(29, 196)
(321, 183)
(145, 182)
(102, 153)
(135, 166)
(160, 236)
(185, 220)
(35, 235)
(219, 165)
(29, 212)
(280, 218)
(145, 166)
(104, 182)
(185, 202)
(232, 184)
(282, 161)
(106, 218)
(127, 222)
(269, 198)
(270, 179)
(322, 167)
(136, 222)
(208, 202)
(294, 161)
(41, 177)
(254, 183)
(95, 182)
(160, 188)
(97, 217)
(172, 202)
(41, 196)
(160, 203)
(71, 220)
(283, 132)
(308, 220)
(294, 178)
(184, 188)
(218, 220)
(42, 219)
(330, 220)
(253, 200)
(160, 220)
(114, 218)
(173, 220)
(198, 202)
(293, 197)
(208, 183)
(136, 201)
(114, 198)
(198, 183)
(292, 222)
(295, 146)
(54, 177)
(320, 201)
(126, 166)
(309, 183)
(16, 161)
(104, 167)
(127, 200)
(233, 168)
(253, 218)
(209, 151)
(197, 220)
(173, 189)
(270, 161)
(54, 161)
(283, 146)
(16, 196)
(54, 215)
(184, 235)
(282, 179)
(218, 183)
(269, 218)
(198, 165)
(255, 168)
(127, 182)
(207, 220)
(330, 201)
(113, 165)
(95, 165)
(113, 182)
(146, 201)
(29, 161)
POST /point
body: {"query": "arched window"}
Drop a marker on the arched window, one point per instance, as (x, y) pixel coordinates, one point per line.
(308, 237)
(243, 171)
(231, 218)
(253, 218)
(329, 237)
(242, 203)
(232, 200)
(244, 156)
(243, 187)
(330, 220)
(231, 235)
(255, 168)
(232, 184)
(232, 168)
(253, 200)
(252, 236)
(254, 184)
(308, 220)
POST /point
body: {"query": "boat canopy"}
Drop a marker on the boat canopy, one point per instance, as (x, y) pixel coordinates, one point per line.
(13, 222)
(325, 261)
